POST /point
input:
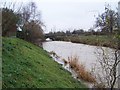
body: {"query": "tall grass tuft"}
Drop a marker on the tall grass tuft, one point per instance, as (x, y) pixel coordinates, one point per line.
(80, 70)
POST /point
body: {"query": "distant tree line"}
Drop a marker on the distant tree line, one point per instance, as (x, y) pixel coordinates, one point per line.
(25, 23)
(105, 24)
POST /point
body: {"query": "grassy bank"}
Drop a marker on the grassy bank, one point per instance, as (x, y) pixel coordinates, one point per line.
(26, 65)
(97, 40)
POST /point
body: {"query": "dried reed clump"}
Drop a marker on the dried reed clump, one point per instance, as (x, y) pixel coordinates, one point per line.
(80, 70)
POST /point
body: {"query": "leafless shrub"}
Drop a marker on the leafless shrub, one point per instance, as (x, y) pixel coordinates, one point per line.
(108, 61)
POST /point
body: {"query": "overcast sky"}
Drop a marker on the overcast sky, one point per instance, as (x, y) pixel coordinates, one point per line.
(70, 14)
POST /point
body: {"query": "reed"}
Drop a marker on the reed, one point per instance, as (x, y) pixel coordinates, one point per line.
(81, 71)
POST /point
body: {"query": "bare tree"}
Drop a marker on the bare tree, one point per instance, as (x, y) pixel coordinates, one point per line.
(31, 23)
(108, 60)
(29, 12)
(33, 31)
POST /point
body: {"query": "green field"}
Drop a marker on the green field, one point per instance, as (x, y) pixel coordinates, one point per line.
(97, 40)
(26, 65)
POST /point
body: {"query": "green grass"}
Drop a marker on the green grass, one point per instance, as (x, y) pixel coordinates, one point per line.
(26, 65)
(97, 40)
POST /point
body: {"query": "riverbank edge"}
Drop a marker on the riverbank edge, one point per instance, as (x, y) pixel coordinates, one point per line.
(103, 41)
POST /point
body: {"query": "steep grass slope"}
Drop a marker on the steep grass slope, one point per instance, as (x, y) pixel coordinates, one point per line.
(26, 65)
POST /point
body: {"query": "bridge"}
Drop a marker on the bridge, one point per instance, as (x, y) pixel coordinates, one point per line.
(52, 37)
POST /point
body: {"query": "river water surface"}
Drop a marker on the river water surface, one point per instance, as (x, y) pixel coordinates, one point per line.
(87, 54)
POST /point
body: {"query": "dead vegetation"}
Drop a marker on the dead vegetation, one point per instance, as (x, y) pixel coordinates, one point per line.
(80, 70)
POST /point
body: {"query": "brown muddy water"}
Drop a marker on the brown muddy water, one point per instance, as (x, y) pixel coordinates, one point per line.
(88, 55)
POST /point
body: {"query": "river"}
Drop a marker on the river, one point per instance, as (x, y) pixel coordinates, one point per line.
(88, 54)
